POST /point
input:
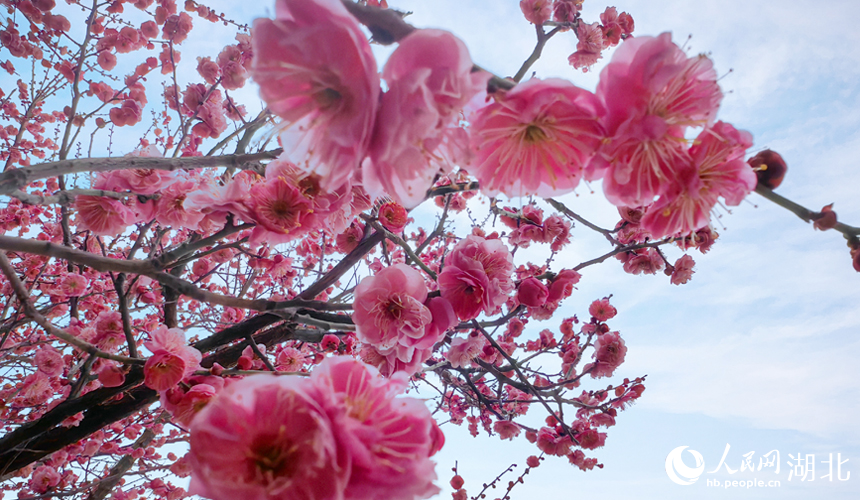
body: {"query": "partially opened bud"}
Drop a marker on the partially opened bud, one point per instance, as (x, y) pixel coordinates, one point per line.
(769, 168)
(855, 257)
(826, 219)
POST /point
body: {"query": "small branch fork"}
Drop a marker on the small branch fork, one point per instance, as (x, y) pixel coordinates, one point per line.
(29, 310)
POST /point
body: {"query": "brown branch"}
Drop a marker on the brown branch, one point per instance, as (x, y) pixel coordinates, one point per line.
(29, 310)
(16, 179)
(803, 212)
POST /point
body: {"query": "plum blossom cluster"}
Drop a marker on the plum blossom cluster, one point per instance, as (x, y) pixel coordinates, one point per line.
(316, 71)
(544, 136)
(502, 401)
(593, 38)
(340, 433)
(541, 137)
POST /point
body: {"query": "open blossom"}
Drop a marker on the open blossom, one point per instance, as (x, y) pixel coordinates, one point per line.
(317, 72)
(644, 260)
(536, 138)
(430, 79)
(171, 209)
(346, 241)
(683, 270)
(477, 276)
(172, 359)
(717, 169)
(129, 113)
(591, 43)
(73, 285)
(536, 11)
(49, 361)
(163, 370)
(409, 357)
(602, 310)
(280, 211)
(103, 216)
(44, 479)
(464, 349)
(609, 353)
(393, 216)
(652, 91)
(389, 308)
(264, 438)
(389, 440)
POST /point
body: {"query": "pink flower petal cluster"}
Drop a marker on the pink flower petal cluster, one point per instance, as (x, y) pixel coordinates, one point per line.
(477, 276)
(464, 349)
(266, 437)
(103, 216)
(536, 139)
(536, 12)
(560, 289)
(430, 79)
(652, 91)
(536, 229)
(49, 361)
(317, 72)
(290, 203)
(717, 169)
(682, 271)
(339, 434)
(172, 359)
(609, 353)
(532, 292)
(389, 440)
(395, 319)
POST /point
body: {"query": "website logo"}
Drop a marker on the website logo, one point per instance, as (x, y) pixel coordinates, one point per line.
(678, 471)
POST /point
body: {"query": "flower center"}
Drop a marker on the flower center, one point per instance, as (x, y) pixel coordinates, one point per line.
(534, 134)
(327, 97)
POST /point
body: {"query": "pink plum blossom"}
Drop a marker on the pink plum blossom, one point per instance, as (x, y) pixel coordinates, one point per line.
(44, 479)
(129, 113)
(536, 11)
(280, 211)
(103, 216)
(682, 270)
(602, 310)
(477, 276)
(49, 361)
(532, 292)
(507, 429)
(591, 43)
(163, 370)
(464, 349)
(430, 79)
(316, 71)
(536, 138)
(267, 437)
(388, 439)
(717, 169)
(390, 306)
(393, 316)
(609, 353)
(651, 91)
(393, 216)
